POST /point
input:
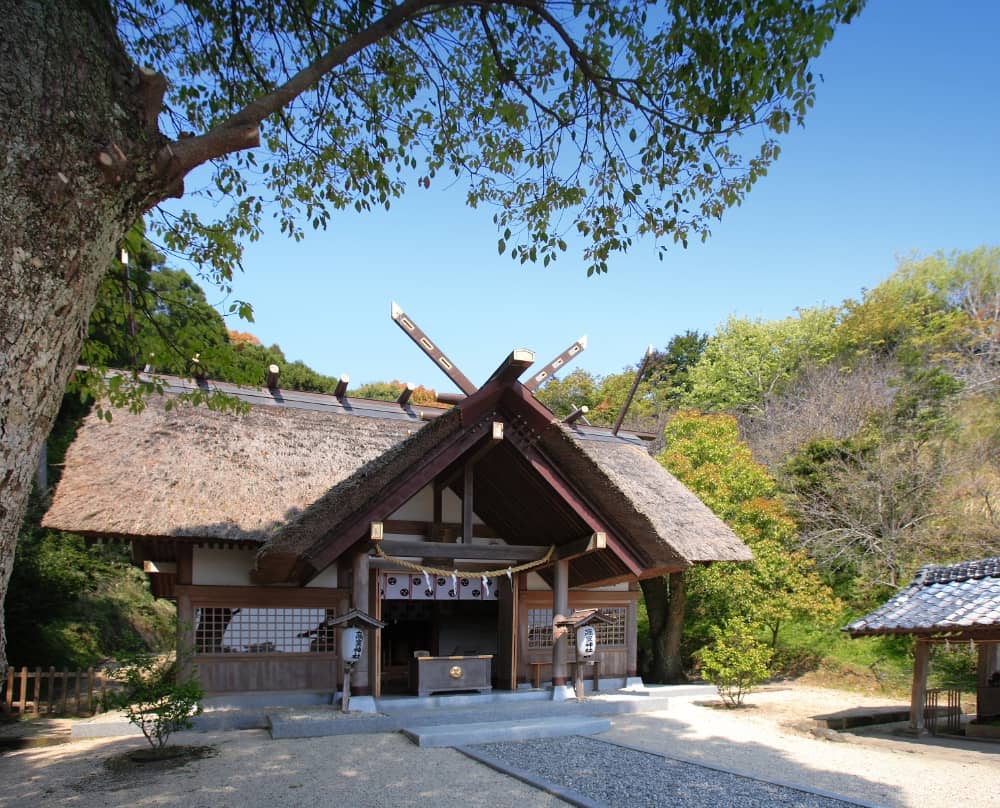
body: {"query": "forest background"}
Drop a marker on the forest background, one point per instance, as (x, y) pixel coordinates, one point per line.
(847, 445)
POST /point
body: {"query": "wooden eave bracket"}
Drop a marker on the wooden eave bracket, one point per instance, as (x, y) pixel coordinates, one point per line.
(575, 549)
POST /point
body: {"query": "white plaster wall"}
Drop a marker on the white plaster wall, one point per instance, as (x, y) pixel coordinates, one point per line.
(225, 567)
(536, 583)
(231, 567)
(421, 507)
(327, 578)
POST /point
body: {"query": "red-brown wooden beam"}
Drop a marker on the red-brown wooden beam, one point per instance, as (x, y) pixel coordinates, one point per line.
(329, 546)
(414, 332)
(341, 389)
(496, 436)
(556, 364)
(472, 552)
(431, 530)
(405, 393)
(589, 516)
(631, 393)
(588, 544)
(518, 361)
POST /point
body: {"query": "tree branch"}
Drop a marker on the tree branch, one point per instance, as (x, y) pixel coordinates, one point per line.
(242, 130)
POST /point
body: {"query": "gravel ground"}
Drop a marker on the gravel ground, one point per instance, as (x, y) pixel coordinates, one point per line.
(768, 739)
(620, 777)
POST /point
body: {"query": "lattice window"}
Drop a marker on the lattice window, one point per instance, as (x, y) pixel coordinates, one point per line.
(539, 628)
(224, 630)
(612, 634)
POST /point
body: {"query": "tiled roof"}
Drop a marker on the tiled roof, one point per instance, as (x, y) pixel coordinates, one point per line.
(940, 599)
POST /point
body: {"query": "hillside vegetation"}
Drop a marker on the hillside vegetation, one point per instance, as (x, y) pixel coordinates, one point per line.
(876, 426)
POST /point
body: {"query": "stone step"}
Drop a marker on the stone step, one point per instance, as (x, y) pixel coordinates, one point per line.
(867, 716)
(493, 731)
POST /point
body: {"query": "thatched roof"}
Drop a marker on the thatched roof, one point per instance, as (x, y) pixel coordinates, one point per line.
(644, 498)
(962, 598)
(358, 491)
(199, 473)
(302, 473)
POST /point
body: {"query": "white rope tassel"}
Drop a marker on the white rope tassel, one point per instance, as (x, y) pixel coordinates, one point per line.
(510, 577)
(454, 582)
(486, 586)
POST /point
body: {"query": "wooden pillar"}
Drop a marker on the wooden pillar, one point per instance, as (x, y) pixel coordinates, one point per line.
(185, 612)
(506, 633)
(375, 635)
(468, 493)
(560, 611)
(632, 640)
(987, 696)
(921, 666)
(360, 684)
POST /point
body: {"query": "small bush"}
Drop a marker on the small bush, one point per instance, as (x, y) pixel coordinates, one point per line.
(154, 698)
(735, 662)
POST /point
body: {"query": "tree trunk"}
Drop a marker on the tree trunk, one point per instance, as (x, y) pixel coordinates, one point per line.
(675, 628)
(665, 602)
(654, 592)
(70, 98)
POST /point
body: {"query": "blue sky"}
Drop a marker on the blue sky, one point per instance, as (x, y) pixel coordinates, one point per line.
(900, 154)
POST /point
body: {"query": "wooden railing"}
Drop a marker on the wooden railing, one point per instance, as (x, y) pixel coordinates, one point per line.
(943, 711)
(50, 692)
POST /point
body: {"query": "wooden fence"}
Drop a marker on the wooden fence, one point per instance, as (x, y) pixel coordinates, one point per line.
(51, 692)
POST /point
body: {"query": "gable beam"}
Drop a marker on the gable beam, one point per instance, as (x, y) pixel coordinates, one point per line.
(471, 552)
(590, 517)
(333, 543)
(556, 364)
(414, 332)
(512, 367)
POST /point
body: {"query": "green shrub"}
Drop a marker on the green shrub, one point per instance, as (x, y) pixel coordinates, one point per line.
(735, 661)
(954, 666)
(155, 698)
